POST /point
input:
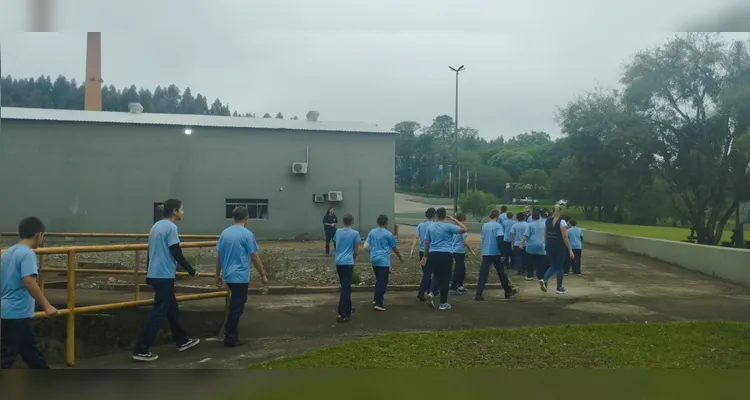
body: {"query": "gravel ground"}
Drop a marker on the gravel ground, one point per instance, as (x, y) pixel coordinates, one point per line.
(287, 264)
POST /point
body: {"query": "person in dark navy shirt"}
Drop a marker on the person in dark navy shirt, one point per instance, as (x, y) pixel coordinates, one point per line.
(329, 227)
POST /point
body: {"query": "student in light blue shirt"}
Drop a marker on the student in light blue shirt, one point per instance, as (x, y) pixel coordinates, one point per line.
(18, 274)
(460, 245)
(236, 249)
(507, 242)
(426, 281)
(439, 248)
(346, 244)
(533, 244)
(163, 254)
(516, 235)
(575, 237)
(492, 233)
(380, 243)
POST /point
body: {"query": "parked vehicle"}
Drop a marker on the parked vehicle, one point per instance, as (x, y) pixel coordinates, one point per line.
(562, 202)
(527, 200)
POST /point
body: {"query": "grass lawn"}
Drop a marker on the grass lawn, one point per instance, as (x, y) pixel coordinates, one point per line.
(656, 232)
(684, 345)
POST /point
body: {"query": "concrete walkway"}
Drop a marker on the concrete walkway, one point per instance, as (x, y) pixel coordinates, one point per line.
(615, 288)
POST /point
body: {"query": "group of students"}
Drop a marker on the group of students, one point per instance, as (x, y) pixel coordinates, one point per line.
(537, 244)
(236, 248)
(534, 243)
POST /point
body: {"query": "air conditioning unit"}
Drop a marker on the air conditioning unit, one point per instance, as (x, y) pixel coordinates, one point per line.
(299, 168)
(335, 196)
(318, 198)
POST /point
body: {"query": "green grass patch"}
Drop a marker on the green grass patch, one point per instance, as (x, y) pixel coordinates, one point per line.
(688, 345)
(654, 232)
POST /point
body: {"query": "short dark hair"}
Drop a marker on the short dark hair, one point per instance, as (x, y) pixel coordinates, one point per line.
(535, 214)
(348, 219)
(461, 216)
(430, 213)
(573, 222)
(382, 220)
(504, 209)
(494, 214)
(170, 207)
(510, 215)
(441, 213)
(240, 213)
(565, 217)
(521, 216)
(29, 227)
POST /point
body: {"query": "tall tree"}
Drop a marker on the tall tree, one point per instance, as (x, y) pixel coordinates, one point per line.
(685, 90)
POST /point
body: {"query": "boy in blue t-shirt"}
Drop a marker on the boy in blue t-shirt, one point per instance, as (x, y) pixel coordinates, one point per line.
(426, 282)
(575, 237)
(533, 243)
(380, 243)
(164, 253)
(18, 274)
(346, 245)
(516, 233)
(236, 249)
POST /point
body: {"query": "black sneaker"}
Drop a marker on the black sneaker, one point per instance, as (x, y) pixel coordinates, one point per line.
(342, 319)
(190, 343)
(478, 298)
(234, 344)
(352, 311)
(421, 298)
(512, 293)
(147, 357)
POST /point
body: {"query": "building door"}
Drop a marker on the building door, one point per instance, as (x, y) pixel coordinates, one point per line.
(158, 212)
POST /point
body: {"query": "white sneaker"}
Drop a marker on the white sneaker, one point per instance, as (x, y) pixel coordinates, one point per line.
(147, 357)
(431, 300)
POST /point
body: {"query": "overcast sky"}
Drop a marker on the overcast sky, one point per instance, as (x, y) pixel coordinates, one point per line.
(378, 61)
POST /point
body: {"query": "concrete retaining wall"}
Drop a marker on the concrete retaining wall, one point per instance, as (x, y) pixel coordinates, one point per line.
(726, 263)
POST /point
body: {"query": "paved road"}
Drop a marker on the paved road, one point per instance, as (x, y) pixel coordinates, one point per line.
(615, 288)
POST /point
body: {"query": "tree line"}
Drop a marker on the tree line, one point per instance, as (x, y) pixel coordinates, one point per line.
(68, 94)
(670, 144)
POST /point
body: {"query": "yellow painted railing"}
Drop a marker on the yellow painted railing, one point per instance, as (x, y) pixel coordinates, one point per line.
(71, 310)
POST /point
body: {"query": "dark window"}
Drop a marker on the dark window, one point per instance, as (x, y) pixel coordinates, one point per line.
(257, 208)
(158, 212)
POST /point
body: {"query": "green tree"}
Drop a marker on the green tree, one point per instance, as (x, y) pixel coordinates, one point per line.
(537, 181)
(691, 92)
(477, 204)
(279, 115)
(513, 162)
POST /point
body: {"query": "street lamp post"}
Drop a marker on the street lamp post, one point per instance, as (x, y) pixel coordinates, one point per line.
(455, 144)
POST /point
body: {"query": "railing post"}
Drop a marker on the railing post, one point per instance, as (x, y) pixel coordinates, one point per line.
(40, 279)
(136, 282)
(70, 338)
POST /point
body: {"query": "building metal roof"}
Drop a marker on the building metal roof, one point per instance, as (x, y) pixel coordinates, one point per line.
(184, 120)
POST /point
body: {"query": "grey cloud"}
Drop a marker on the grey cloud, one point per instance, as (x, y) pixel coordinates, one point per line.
(371, 61)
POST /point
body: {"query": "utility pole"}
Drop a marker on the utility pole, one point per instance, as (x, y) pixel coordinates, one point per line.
(455, 142)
